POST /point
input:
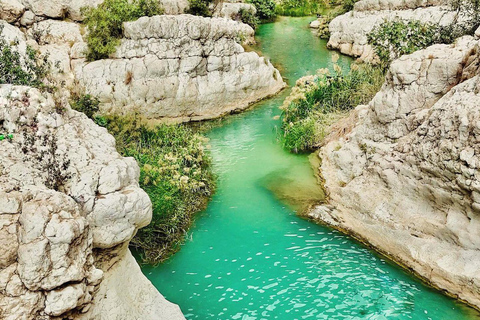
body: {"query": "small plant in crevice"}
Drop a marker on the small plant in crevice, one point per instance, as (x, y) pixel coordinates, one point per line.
(86, 104)
(43, 153)
(105, 23)
(29, 69)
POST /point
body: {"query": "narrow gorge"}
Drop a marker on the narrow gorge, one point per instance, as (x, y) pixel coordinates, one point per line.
(106, 155)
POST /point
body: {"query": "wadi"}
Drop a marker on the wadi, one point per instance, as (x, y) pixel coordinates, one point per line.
(257, 159)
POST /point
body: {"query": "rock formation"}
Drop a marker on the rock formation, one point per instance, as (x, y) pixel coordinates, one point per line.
(348, 32)
(404, 178)
(180, 67)
(69, 205)
(169, 67)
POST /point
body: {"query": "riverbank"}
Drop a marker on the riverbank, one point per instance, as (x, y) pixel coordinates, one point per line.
(250, 255)
(400, 179)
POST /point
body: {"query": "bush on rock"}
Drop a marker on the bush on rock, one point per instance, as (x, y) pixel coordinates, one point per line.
(105, 23)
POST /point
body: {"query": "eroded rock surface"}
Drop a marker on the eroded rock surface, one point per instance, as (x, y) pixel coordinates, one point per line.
(168, 67)
(348, 32)
(69, 205)
(405, 179)
(180, 67)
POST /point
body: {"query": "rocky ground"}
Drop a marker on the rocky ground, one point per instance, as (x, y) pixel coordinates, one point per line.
(404, 178)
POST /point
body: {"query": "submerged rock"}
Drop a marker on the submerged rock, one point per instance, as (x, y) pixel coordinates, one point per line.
(405, 179)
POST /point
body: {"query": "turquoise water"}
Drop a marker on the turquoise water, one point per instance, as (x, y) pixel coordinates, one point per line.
(249, 256)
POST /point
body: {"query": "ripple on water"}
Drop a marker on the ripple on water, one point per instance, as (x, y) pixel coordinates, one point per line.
(227, 271)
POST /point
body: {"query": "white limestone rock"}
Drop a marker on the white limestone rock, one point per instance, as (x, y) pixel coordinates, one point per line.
(174, 6)
(348, 32)
(56, 32)
(59, 8)
(315, 24)
(231, 10)
(378, 5)
(120, 289)
(58, 171)
(182, 68)
(405, 178)
(11, 10)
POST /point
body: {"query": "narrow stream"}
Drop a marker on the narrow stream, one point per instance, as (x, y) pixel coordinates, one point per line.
(249, 256)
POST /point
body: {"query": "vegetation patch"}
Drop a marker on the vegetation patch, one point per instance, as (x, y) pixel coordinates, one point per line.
(105, 23)
(392, 39)
(176, 173)
(299, 8)
(265, 9)
(319, 101)
(328, 8)
(200, 8)
(395, 38)
(248, 17)
(86, 104)
(20, 69)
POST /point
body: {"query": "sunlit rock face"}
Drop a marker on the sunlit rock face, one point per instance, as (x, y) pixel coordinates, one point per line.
(348, 32)
(69, 205)
(405, 179)
(180, 67)
(173, 67)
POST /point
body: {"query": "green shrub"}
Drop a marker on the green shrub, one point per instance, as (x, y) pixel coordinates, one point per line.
(298, 8)
(105, 23)
(248, 17)
(175, 171)
(265, 9)
(300, 135)
(30, 71)
(392, 39)
(348, 5)
(323, 101)
(200, 8)
(86, 104)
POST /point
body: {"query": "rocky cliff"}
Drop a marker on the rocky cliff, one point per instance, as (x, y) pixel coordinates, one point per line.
(348, 32)
(180, 67)
(169, 67)
(404, 178)
(69, 205)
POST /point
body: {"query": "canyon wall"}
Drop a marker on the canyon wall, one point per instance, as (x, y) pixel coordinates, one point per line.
(402, 172)
(348, 32)
(69, 205)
